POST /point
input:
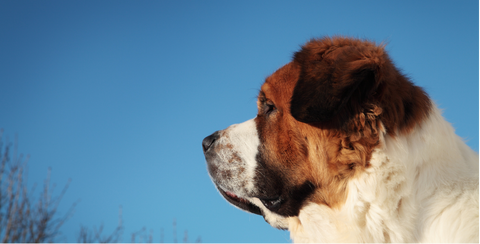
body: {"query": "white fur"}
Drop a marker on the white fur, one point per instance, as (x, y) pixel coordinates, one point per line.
(421, 187)
(244, 139)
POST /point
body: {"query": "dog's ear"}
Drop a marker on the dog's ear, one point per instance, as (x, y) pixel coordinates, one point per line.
(337, 77)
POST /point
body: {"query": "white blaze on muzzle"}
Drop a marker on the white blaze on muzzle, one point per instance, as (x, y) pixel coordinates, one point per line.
(232, 158)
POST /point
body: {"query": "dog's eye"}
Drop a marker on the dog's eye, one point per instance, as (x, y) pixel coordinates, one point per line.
(269, 107)
(271, 204)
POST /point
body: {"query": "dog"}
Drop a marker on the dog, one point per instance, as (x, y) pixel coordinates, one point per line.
(345, 148)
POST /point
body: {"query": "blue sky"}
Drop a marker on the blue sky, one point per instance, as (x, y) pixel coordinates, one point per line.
(118, 95)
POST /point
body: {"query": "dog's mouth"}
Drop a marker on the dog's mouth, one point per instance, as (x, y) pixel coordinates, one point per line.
(239, 202)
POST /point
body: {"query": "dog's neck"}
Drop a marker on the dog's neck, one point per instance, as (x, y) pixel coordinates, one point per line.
(383, 202)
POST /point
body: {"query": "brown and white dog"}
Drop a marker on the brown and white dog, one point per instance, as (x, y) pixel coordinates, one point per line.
(346, 149)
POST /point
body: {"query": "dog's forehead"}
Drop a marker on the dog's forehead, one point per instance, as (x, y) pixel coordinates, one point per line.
(279, 86)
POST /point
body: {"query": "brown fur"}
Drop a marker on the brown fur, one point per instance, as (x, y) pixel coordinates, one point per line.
(320, 116)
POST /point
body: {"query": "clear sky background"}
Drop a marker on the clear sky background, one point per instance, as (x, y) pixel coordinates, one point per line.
(118, 95)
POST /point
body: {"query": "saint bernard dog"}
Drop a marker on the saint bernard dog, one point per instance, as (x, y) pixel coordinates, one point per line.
(345, 148)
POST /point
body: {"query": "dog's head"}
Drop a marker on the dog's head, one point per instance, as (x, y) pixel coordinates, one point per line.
(319, 119)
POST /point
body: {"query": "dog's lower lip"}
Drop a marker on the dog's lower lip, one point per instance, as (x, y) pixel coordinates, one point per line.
(232, 195)
(240, 202)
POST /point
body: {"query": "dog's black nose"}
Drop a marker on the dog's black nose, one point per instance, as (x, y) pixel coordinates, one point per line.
(208, 141)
